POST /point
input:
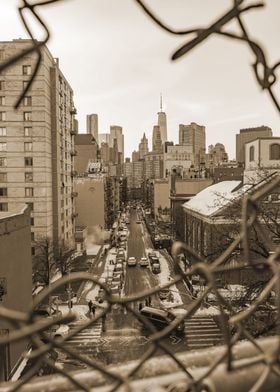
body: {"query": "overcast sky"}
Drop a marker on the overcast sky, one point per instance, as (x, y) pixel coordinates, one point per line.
(118, 62)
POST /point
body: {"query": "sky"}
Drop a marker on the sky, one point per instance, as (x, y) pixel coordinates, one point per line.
(118, 63)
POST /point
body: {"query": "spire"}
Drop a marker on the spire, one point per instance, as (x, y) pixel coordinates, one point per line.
(161, 102)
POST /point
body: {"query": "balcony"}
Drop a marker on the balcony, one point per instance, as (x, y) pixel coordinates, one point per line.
(74, 173)
(73, 153)
(73, 131)
(74, 194)
(74, 215)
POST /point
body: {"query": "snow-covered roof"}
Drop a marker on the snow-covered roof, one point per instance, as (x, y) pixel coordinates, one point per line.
(211, 199)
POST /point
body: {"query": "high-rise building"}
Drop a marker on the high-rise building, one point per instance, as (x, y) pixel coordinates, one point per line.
(247, 135)
(37, 144)
(216, 156)
(135, 156)
(104, 152)
(162, 123)
(116, 133)
(143, 147)
(194, 135)
(157, 142)
(92, 125)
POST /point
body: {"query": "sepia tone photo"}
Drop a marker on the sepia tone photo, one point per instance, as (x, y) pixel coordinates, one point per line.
(139, 195)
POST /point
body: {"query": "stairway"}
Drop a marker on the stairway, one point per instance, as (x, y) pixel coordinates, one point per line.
(202, 332)
(85, 342)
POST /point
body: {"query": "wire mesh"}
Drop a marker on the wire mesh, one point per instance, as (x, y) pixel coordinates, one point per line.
(234, 323)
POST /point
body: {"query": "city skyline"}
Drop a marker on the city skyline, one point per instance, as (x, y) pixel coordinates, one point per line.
(124, 82)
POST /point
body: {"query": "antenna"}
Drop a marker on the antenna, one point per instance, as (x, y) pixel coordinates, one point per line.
(161, 102)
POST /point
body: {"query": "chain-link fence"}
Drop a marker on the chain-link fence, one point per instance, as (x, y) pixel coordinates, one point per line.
(249, 366)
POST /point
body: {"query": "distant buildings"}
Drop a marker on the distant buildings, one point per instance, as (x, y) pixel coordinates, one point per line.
(92, 125)
(37, 144)
(143, 147)
(116, 134)
(246, 135)
(157, 141)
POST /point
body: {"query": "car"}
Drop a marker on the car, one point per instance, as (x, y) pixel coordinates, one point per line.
(58, 331)
(152, 254)
(154, 260)
(131, 262)
(156, 268)
(138, 221)
(115, 291)
(161, 318)
(118, 267)
(164, 294)
(144, 262)
(121, 252)
(117, 281)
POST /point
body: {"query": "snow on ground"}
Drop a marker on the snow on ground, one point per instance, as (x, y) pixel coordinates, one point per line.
(163, 278)
(211, 311)
(92, 249)
(56, 276)
(21, 367)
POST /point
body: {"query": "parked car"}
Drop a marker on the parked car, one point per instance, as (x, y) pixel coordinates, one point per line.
(161, 318)
(131, 262)
(156, 268)
(144, 262)
(118, 267)
(164, 294)
(154, 260)
(138, 221)
(121, 252)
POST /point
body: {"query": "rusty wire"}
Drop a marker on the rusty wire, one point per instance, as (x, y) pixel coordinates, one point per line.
(25, 325)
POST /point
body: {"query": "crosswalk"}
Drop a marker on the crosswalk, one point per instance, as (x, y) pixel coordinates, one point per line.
(85, 342)
(202, 332)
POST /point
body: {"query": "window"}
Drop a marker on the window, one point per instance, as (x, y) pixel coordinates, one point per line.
(28, 146)
(24, 84)
(32, 236)
(27, 116)
(29, 192)
(2, 85)
(251, 153)
(274, 151)
(2, 101)
(32, 221)
(3, 177)
(3, 206)
(3, 131)
(27, 101)
(27, 131)
(28, 177)
(26, 69)
(28, 161)
(2, 116)
(3, 161)
(33, 251)
(3, 192)
(3, 146)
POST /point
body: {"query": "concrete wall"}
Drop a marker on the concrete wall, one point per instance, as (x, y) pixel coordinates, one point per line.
(16, 271)
(90, 203)
(193, 186)
(161, 195)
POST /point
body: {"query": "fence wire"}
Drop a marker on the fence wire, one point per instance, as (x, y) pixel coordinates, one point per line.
(234, 323)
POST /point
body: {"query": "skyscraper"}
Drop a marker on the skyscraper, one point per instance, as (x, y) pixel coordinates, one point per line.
(92, 125)
(37, 145)
(162, 123)
(143, 147)
(157, 142)
(116, 133)
(194, 135)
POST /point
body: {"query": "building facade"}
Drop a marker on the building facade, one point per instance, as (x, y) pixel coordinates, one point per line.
(86, 148)
(157, 141)
(37, 144)
(15, 281)
(246, 135)
(116, 133)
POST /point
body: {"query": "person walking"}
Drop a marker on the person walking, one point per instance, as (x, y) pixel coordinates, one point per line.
(93, 308)
(90, 304)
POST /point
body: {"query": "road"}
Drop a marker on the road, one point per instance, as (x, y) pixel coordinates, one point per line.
(138, 279)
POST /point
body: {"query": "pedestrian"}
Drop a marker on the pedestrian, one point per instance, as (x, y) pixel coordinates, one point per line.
(93, 308)
(90, 304)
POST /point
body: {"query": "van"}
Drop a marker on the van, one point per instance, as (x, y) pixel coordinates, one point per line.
(161, 318)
